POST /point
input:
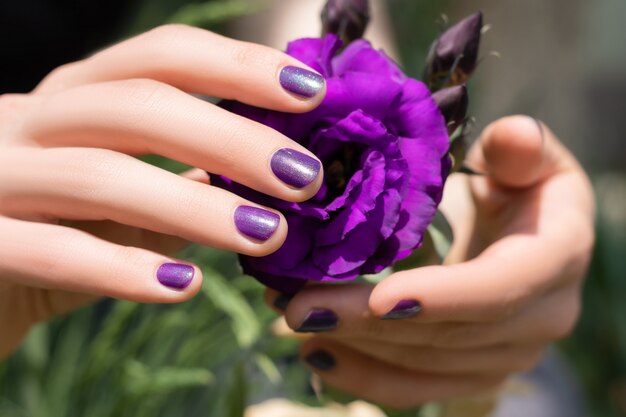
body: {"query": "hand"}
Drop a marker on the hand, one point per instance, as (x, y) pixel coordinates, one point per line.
(80, 218)
(511, 283)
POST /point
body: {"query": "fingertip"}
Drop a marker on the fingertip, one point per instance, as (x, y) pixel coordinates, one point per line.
(262, 230)
(513, 149)
(319, 355)
(303, 88)
(389, 292)
(178, 281)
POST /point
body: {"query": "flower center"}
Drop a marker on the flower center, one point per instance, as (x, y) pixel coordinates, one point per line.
(341, 167)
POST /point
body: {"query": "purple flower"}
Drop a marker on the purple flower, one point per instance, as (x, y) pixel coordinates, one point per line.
(384, 145)
(346, 18)
(454, 55)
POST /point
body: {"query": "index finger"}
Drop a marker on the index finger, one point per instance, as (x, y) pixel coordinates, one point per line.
(198, 61)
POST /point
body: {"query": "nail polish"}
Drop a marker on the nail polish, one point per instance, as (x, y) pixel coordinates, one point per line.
(175, 275)
(282, 301)
(256, 222)
(404, 309)
(320, 359)
(294, 168)
(300, 81)
(318, 320)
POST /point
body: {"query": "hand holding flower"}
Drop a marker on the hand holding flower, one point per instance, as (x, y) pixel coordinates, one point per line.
(511, 283)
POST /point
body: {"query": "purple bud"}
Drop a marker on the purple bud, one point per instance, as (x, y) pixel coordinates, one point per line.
(454, 55)
(345, 18)
(453, 103)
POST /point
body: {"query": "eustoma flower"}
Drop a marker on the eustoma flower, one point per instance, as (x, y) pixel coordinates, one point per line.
(383, 142)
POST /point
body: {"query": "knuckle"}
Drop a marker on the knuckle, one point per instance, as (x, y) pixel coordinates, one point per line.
(94, 172)
(509, 305)
(60, 247)
(455, 335)
(14, 109)
(249, 55)
(168, 36)
(123, 261)
(59, 77)
(142, 92)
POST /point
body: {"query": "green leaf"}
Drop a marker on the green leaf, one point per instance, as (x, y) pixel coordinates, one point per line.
(441, 235)
(237, 394)
(246, 325)
(140, 380)
(214, 12)
(267, 366)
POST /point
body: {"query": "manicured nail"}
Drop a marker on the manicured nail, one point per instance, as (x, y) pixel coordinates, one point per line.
(320, 359)
(173, 275)
(255, 222)
(318, 320)
(294, 168)
(404, 309)
(300, 81)
(282, 301)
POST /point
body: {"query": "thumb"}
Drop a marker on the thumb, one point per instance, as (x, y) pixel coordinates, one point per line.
(518, 152)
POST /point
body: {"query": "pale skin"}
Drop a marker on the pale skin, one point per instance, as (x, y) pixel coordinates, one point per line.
(80, 219)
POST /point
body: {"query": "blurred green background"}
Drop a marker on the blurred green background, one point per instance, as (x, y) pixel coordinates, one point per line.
(562, 61)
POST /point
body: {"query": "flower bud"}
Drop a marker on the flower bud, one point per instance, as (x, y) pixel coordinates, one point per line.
(345, 18)
(454, 55)
(453, 103)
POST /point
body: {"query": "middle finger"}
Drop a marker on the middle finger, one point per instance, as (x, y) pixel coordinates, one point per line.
(148, 117)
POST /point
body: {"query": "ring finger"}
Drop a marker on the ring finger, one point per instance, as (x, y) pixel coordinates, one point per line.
(96, 184)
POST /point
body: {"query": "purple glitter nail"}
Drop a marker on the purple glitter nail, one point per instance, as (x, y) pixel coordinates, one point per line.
(255, 222)
(404, 309)
(174, 275)
(294, 168)
(318, 320)
(300, 81)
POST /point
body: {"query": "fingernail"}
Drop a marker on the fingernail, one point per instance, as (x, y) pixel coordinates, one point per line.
(255, 222)
(294, 168)
(300, 81)
(542, 132)
(320, 359)
(318, 320)
(282, 301)
(404, 309)
(174, 275)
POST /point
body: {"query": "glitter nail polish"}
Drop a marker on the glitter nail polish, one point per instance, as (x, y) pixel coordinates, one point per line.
(404, 309)
(300, 81)
(256, 222)
(318, 320)
(294, 168)
(175, 275)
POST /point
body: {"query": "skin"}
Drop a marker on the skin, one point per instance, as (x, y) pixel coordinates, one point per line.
(80, 218)
(510, 285)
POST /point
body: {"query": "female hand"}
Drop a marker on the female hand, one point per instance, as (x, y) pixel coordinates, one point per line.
(80, 218)
(511, 283)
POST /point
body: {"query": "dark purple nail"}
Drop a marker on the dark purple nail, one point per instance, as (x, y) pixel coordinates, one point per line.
(404, 309)
(318, 320)
(320, 359)
(294, 168)
(282, 301)
(300, 81)
(175, 275)
(255, 222)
